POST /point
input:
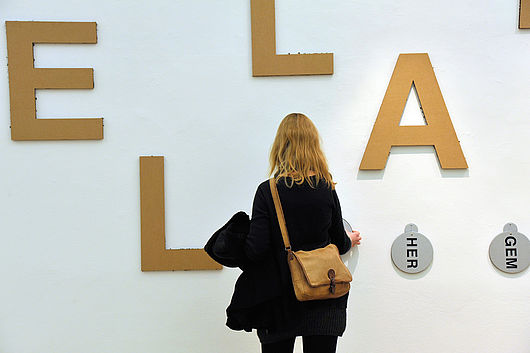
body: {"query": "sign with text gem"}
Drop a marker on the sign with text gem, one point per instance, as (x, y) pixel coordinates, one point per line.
(510, 250)
(411, 251)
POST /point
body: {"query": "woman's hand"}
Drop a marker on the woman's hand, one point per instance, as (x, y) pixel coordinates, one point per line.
(355, 237)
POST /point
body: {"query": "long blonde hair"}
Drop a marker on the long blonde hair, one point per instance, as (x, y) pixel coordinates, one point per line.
(296, 151)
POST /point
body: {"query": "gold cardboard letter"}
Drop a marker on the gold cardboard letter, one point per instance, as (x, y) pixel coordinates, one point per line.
(265, 62)
(439, 132)
(155, 256)
(24, 78)
(524, 14)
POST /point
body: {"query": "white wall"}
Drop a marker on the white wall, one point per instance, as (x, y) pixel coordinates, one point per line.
(173, 78)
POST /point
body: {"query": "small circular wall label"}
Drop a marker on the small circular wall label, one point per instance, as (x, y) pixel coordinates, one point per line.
(411, 251)
(510, 250)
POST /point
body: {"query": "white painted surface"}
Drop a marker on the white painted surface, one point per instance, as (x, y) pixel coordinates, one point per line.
(173, 78)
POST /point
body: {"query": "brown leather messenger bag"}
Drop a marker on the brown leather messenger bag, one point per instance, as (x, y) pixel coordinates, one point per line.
(316, 274)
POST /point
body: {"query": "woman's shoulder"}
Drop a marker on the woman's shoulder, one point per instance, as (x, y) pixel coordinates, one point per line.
(263, 190)
(264, 185)
(287, 183)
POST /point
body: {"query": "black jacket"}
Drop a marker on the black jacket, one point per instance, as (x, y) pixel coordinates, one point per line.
(254, 298)
(263, 295)
(227, 244)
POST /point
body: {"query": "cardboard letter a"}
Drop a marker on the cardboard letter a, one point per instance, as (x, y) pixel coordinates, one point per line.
(439, 132)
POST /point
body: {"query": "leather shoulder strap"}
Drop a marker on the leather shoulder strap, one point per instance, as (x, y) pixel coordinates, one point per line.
(279, 213)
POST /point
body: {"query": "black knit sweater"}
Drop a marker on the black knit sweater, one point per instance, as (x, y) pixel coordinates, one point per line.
(314, 219)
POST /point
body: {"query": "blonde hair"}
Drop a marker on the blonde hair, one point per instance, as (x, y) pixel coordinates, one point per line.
(296, 151)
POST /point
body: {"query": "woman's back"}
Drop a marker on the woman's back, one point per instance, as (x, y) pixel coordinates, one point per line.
(313, 218)
(312, 215)
(307, 213)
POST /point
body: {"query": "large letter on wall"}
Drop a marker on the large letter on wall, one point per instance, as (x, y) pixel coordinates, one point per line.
(524, 14)
(24, 78)
(155, 256)
(439, 132)
(265, 62)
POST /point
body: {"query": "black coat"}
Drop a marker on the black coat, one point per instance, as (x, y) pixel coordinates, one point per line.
(263, 295)
(257, 293)
(226, 245)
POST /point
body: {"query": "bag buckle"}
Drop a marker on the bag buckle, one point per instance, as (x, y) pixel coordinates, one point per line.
(331, 276)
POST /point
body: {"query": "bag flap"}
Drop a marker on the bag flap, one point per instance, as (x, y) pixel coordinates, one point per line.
(316, 264)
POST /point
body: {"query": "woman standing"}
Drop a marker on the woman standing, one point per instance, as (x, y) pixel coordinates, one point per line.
(314, 219)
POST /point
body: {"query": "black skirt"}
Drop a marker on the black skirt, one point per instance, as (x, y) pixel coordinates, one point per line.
(318, 321)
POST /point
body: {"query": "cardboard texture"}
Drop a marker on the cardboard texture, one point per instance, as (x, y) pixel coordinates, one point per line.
(155, 256)
(24, 78)
(265, 61)
(524, 14)
(439, 132)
